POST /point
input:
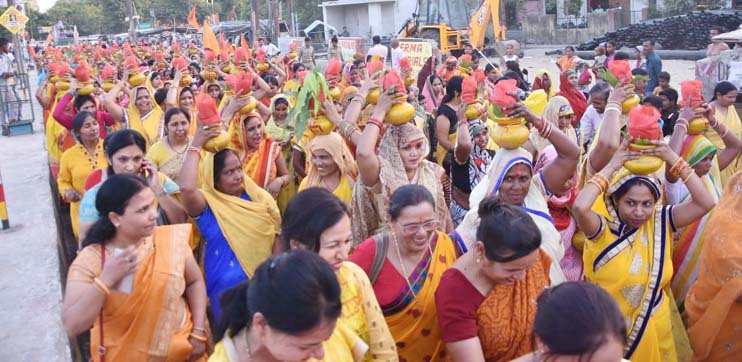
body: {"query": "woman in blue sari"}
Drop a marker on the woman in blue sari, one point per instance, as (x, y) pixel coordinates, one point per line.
(228, 207)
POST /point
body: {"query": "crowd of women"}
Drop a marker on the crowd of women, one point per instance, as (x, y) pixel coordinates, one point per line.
(235, 207)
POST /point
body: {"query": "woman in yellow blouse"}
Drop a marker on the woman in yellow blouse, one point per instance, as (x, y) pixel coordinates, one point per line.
(79, 162)
(331, 166)
(183, 98)
(725, 94)
(142, 114)
(318, 221)
(169, 152)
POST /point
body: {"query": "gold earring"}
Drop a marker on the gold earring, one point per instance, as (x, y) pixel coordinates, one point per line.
(479, 259)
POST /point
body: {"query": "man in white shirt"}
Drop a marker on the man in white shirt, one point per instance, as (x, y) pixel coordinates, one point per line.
(397, 54)
(378, 49)
(593, 116)
(270, 49)
(10, 109)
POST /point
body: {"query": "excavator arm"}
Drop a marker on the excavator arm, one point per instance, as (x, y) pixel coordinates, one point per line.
(488, 11)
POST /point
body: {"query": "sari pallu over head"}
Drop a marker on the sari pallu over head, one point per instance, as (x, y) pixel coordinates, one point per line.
(278, 133)
(334, 144)
(634, 266)
(575, 97)
(250, 227)
(687, 249)
(148, 124)
(260, 163)
(711, 305)
(557, 106)
(534, 204)
(369, 208)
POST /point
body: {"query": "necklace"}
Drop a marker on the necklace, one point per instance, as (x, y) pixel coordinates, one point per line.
(185, 148)
(401, 262)
(92, 159)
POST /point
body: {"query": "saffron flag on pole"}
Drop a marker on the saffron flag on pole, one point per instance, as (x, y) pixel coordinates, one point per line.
(192, 19)
(210, 41)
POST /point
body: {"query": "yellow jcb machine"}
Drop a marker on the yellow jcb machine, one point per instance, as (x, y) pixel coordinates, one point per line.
(448, 23)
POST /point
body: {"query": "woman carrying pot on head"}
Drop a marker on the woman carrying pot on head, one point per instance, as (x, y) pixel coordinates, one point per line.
(324, 228)
(629, 250)
(125, 150)
(238, 220)
(79, 162)
(169, 152)
(133, 275)
(142, 114)
(725, 95)
(405, 265)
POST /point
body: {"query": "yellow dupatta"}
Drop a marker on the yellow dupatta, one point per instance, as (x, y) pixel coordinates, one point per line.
(733, 123)
(149, 125)
(58, 138)
(250, 227)
(335, 145)
(635, 267)
(415, 327)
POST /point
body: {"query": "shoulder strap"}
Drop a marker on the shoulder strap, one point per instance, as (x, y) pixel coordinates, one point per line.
(101, 347)
(382, 245)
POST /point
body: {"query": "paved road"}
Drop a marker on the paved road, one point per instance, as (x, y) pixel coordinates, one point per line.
(30, 289)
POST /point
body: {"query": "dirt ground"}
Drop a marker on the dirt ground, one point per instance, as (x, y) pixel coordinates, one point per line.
(30, 290)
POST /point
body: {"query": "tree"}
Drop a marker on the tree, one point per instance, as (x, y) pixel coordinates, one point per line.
(87, 16)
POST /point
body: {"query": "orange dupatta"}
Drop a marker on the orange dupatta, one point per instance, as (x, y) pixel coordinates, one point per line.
(154, 321)
(258, 164)
(505, 318)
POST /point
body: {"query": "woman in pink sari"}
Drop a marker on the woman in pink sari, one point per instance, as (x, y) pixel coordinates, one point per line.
(559, 209)
(433, 92)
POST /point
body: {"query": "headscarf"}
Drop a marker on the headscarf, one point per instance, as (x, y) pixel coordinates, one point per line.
(148, 125)
(369, 208)
(553, 109)
(335, 145)
(622, 181)
(276, 132)
(250, 227)
(425, 72)
(259, 164)
(696, 148)
(538, 82)
(480, 158)
(431, 102)
(574, 96)
(534, 204)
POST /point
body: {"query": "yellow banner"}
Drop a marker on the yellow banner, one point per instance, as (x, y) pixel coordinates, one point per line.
(13, 20)
(417, 52)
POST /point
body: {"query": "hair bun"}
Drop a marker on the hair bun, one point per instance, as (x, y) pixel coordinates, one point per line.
(490, 205)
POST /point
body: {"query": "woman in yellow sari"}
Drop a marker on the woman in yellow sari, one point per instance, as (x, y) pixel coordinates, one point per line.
(714, 302)
(331, 166)
(405, 265)
(142, 114)
(259, 154)
(629, 252)
(169, 152)
(238, 220)
(58, 139)
(725, 94)
(707, 162)
(280, 131)
(79, 162)
(324, 228)
(136, 284)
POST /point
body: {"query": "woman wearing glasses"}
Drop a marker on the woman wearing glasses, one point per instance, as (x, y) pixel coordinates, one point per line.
(405, 265)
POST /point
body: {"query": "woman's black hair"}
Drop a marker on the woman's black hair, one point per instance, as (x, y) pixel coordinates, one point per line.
(78, 121)
(624, 189)
(183, 90)
(507, 232)
(358, 62)
(671, 94)
(334, 39)
(281, 100)
(120, 139)
(490, 67)
(113, 196)
(295, 67)
(154, 75)
(577, 318)
(219, 159)
(80, 101)
(173, 111)
(305, 224)
(408, 195)
(453, 88)
(723, 88)
(620, 56)
(293, 291)
(161, 96)
(270, 79)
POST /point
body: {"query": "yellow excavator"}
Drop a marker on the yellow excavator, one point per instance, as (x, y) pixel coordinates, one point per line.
(451, 25)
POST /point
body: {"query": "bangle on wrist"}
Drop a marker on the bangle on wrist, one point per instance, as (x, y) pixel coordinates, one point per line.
(376, 122)
(725, 133)
(194, 149)
(197, 337)
(101, 286)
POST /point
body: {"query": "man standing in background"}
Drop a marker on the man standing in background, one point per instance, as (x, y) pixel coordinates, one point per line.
(9, 100)
(397, 54)
(654, 66)
(378, 49)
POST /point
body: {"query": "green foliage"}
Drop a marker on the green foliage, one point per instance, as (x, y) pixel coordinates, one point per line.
(551, 7)
(679, 7)
(314, 84)
(573, 7)
(87, 15)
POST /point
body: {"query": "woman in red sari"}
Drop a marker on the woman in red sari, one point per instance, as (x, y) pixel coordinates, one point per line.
(568, 89)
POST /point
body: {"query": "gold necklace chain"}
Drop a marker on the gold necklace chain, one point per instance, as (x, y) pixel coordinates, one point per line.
(401, 262)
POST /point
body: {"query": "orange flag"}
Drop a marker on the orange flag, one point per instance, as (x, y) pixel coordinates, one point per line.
(192, 18)
(210, 41)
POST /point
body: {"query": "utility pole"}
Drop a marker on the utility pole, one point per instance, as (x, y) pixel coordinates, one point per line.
(274, 20)
(130, 16)
(290, 9)
(254, 20)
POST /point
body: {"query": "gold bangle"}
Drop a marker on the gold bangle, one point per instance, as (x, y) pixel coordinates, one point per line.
(102, 286)
(685, 180)
(199, 329)
(198, 338)
(603, 178)
(600, 188)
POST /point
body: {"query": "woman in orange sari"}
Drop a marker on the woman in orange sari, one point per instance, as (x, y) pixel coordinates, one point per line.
(714, 302)
(405, 265)
(136, 284)
(261, 157)
(485, 301)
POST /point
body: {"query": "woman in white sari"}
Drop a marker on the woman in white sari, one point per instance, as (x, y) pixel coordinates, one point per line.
(511, 176)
